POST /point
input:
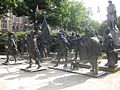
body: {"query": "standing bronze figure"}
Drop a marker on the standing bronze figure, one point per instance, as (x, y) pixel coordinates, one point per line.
(109, 49)
(33, 50)
(111, 16)
(62, 48)
(11, 47)
(93, 49)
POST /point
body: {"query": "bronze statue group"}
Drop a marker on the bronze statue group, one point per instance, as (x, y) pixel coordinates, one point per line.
(87, 46)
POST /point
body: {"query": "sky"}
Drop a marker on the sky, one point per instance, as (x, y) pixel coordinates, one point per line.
(101, 16)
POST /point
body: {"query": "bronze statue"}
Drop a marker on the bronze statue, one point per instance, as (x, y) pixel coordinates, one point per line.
(93, 49)
(62, 48)
(83, 48)
(11, 47)
(74, 41)
(33, 50)
(41, 46)
(111, 16)
(77, 46)
(22, 44)
(109, 49)
(90, 49)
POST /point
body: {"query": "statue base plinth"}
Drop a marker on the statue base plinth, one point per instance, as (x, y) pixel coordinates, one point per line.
(11, 63)
(61, 62)
(101, 66)
(34, 69)
(69, 61)
(82, 71)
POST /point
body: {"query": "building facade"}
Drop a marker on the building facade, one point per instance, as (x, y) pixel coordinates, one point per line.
(21, 24)
(13, 23)
(4, 25)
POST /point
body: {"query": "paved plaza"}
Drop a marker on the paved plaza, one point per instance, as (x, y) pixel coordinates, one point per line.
(12, 78)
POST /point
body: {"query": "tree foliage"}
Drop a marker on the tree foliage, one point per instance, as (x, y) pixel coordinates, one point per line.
(70, 15)
(6, 5)
(118, 23)
(28, 8)
(76, 16)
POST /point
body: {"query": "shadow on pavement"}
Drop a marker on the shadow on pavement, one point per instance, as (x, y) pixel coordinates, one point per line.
(65, 82)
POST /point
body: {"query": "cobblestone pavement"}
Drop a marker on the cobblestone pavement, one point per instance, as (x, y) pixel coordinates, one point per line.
(11, 78)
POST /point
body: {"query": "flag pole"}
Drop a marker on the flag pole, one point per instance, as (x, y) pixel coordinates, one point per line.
(99, 14)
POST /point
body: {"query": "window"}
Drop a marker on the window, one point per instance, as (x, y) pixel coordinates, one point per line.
(4, 24)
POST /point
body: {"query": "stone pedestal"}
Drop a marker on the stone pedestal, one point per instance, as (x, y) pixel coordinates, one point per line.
(82, 71)
(101, 66)
(116, 37)
(33, 69)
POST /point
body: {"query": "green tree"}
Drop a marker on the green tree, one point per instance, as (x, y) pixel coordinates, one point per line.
(70, 15)
(76, 16)
(94, 25)
(59, 15)
(118, 23)
(6, 5)
(102, 28)
(28, 8)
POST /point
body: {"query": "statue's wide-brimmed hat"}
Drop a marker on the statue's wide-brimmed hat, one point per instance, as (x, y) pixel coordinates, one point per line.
(109, 1)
